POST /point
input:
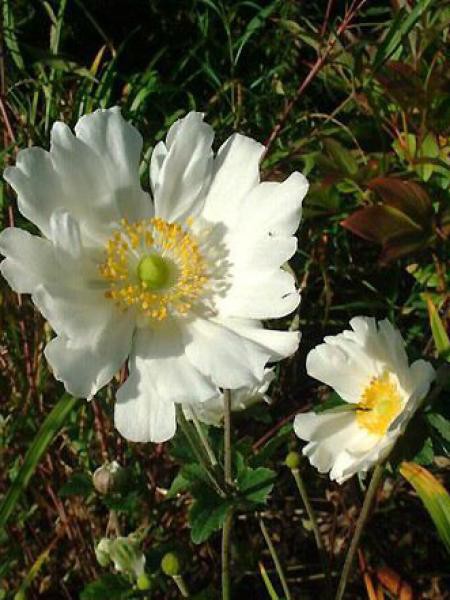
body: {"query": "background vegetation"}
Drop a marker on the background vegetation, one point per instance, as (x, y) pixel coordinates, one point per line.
(357, 96)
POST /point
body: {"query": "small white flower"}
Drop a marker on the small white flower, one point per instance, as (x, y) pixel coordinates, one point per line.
(177, 283)
(368, 368)
(211, 411)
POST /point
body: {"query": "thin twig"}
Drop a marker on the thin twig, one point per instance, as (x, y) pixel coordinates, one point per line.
(317, 66)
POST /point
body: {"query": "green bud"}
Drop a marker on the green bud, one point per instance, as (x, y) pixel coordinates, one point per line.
(143, 582)
(20, 595)
(170, 564)
(293, 460)
(153, 271)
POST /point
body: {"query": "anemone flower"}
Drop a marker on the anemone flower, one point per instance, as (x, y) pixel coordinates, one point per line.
(177, 281)
(368, 368)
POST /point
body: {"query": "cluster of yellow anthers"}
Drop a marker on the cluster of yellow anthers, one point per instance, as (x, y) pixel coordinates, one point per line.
(380, 403)
(155, 266)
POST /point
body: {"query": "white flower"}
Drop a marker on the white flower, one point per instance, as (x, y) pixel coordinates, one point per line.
(368, 368)
(178, 284)
(211, 411)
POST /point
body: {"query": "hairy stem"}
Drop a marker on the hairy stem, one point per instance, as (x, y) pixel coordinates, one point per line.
(315, 527)
(276, 560)
(181, 585)
(198, 451)
(367, 505)
(228, 475)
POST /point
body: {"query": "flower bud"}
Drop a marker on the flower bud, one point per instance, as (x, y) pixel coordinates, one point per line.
(170, 564)
(102, 552)
(293, 460)
(143, 582)
(127, 556)
(108, 478)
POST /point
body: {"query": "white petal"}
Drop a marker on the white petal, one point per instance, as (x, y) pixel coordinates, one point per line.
(65, 233)
(231, 354)
(76, 313)
(160, 376)
(274, 208)
(328, 435)
(83, 368)
(94, 176)
(30, 260)
(258, 287)
(236, 172)
(181, 169)
(332, 365)
(140, 414)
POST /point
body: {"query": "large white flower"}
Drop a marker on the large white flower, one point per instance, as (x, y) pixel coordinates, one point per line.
(179, 282)
(368, 368)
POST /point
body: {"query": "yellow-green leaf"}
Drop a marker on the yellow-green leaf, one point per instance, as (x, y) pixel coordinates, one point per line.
(440, 336)
(434, 496)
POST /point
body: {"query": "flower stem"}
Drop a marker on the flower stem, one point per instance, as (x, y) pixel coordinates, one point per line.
(367, 505)
(198, 451)
(276, 560)
(204, 440)
(228, 475)
(181, 585)
(315, 527)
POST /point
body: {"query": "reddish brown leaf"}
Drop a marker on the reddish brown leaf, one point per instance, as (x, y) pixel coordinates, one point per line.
(406, 196)
(381, 224)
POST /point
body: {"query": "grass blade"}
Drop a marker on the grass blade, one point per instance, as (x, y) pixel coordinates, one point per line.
(41, 442)
(434, 496)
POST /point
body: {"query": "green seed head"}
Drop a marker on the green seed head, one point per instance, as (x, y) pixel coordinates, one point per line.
(292, 460)
(170, 564)
(154, 272)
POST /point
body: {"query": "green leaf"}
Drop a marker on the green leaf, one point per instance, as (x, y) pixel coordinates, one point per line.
(256, 484)
(207, 515)
(79, 484)
(441, 424)
(341, 157)
(113, 587)
(434, 496)
(400, 27)
(440, 336)
(49, 429)
(9, 35)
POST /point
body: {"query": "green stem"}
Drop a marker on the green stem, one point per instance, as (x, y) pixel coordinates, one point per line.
(315, 527)
(201, 434)
(276, 560)
(181, 585)
(198, 451)
(367, 505)
(228, 475)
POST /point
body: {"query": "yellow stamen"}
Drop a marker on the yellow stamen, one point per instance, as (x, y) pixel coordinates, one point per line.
(380, 403)
(154, 266)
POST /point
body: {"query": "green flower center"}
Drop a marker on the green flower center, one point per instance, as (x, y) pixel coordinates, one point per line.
(153, 272)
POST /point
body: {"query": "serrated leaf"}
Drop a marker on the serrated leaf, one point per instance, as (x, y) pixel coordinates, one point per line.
(113, 587)
(256, 484)
(434, 496)
(207, 515)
